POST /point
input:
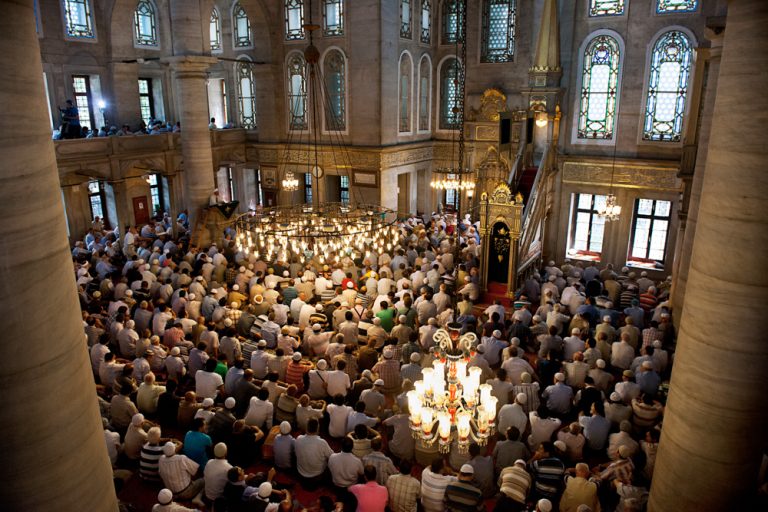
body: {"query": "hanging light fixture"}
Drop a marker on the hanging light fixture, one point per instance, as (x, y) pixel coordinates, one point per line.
(457, 176)
(325, 231)
(449, 404)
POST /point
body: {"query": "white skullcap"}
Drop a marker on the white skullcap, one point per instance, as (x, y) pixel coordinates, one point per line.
(192, 296)
(169, 449)
(265, 490)
(286, 273)
(521, 398)
(129, 293)
(388, 352)
(137, 419)
(322, 364)
(520, 462)
(367, 374)
(497, 334)
(600, 363)
(262, 344)
(576, 331)
(296, 356)
(236, 287)
(544, 505)
(377, 321)
(164, 497)
(285, 428)
(175, 351)
(466, 469)
(415, 357)
(378, 382)
(220, 450)
(130, 324)
(228, 322)
(350, 284)
(242, 269)
(647, 365)
(230, 403)
(316, 327)
(199, 278)
(402, 319)
(615, 397)
(559, 376)
(560, 445)
(606, 318)
(657, 344)
(208, 402)
(319, 307)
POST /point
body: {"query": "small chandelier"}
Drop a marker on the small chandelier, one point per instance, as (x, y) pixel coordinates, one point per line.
(610, 211)
(290, 182)
(446, 179)
(450, 403)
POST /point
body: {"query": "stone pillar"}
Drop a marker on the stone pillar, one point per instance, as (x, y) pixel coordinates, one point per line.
(124, 103)
(52, 443)
(190, 76)
(717, 414)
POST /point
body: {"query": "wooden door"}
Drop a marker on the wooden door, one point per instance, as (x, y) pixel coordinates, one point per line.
(141, 211)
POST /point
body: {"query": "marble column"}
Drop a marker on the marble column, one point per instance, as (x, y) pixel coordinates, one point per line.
(190, 78)
(53, 452)
(717, 411)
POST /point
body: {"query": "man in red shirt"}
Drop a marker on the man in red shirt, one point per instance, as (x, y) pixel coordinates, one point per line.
(371, 497)
(294, 373)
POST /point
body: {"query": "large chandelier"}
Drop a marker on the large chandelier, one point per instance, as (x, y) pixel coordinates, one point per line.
(446, 180)
(328, 232)
(450, 403)
(321, 231)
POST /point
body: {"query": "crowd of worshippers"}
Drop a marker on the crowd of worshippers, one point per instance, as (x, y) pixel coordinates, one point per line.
(248, 361)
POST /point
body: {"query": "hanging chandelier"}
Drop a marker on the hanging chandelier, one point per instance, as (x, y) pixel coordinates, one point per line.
(450, 404)
(290, 183)
(325, 232)
(457, 177)
(610, 210)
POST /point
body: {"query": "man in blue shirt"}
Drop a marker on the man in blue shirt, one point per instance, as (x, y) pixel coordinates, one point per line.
(197, 444)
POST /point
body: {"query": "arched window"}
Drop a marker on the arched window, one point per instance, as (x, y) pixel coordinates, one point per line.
(599, 88)
(242, 27)
(426, 21)
(498, 31)
(450, 94)
(297, 92)
(452, 21)
(425, 78)
(294, 19)
(145, 24)
(78, 19)
(333, 17)
(246, 94)
(606, 7)
(406, 18)
(335, 75)
(668, 6)
(215, 29)
(404, 113)
(667, 87)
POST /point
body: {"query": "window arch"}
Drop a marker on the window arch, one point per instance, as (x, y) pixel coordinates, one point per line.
(335, 76)
(426, 21)
(145, 24)
(294, 19)
(425, 86)
(215, 30)
(606, 7)
(498, 31)
(598, 100)
(78, 19)
(450, 94)
(297, 92)
(246, 94)
(669, 71)
(404, 87)
(452, 21)
(671, 6)
(241, 27)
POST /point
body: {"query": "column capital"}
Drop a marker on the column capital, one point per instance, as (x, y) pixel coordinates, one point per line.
(190, 66)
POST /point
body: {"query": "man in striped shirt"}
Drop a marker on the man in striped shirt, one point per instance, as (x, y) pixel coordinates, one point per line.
(404, 490)
(548, 472)
(433, 484)
(150, 456)
(515, 482)
(462, 495)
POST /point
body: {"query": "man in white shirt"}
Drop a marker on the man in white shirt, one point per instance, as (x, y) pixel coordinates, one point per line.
(260, 411)
(215, 473)
(337, 381)
(345, 467)
(312, 452)
(208, 383)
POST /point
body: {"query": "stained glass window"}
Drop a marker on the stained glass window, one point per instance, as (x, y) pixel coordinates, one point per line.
(145, 24)
(606, 7)
(96, 199)
(587, 227)
(79, 21)
(424, 88)
(498, 31)
(215, 30)
(599, 88)
(344, 189)
(450, 117)
(294, 19)
(334, 73)
(297, 92)
(333, 17)
(156, 191)
(667, 6)
(406, 66)
(81, 86)
(308, 188)
(406, 21)
(246, 95)
(667, 87)
(426, 21)
(649, 230)
(242, 27)
(453, 13)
